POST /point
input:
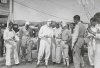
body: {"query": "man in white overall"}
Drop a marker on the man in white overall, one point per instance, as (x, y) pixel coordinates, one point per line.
(46, 34)
(97, 35)
(91, 45)
(11, 45)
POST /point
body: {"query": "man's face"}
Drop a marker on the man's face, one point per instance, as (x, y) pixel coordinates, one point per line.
(51, 24)
(65, 27)
(10, 27)
(27, 26)
(75, 21)
(93, 23)
(57, 25)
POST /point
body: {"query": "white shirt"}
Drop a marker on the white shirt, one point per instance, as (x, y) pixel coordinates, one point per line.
(75, 34)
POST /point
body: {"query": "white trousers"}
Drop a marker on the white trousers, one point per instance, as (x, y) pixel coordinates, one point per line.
(11, 51)
(91, 51)
(53, 49)
(65, 52)
(97, 55)
(45, 45)
(58, 51)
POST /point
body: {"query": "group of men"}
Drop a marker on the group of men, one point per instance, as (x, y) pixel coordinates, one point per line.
(18, 44)
(55, 40)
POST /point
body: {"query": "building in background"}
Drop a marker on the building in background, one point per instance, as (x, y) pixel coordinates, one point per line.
(4, 12)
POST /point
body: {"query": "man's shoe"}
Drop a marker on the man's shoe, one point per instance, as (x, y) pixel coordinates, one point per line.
(17, 64)
(9, 66)
(54, 63)
(64, 65)
(37, 66)
(68, 66)
(82, 66)
(29, 62)
(23, 63)
(46, 66)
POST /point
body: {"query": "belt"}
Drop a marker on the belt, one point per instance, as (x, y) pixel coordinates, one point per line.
(46, 37)
(57, 38)
(64, 40)
(81, 36)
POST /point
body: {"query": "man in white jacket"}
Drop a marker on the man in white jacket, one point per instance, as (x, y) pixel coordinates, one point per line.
(97, 35)
(46, 34)
(11, 45)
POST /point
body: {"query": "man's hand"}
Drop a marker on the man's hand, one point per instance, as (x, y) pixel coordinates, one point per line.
(72, 48)
(98, 31)
(94, 33)
(46, 36)
(7, 41)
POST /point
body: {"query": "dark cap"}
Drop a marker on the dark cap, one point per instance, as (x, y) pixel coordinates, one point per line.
(97, 16)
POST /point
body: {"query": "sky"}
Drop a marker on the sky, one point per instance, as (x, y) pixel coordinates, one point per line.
(58, 10)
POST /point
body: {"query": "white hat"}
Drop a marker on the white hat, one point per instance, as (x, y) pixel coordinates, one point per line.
(27, 23)
(64, 24)
(49, 20)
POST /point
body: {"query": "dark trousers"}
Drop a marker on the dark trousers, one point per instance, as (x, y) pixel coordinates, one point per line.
(1, 50)
(70, 55)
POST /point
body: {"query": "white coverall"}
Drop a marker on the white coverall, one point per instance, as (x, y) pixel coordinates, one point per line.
(11, 47)
(97, 51)
(45, 43)
(91, 47)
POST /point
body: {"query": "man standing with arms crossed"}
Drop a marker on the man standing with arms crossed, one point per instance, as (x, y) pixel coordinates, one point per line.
(78, 42)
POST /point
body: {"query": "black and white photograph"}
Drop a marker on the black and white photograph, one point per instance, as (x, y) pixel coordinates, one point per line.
(49, 33)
